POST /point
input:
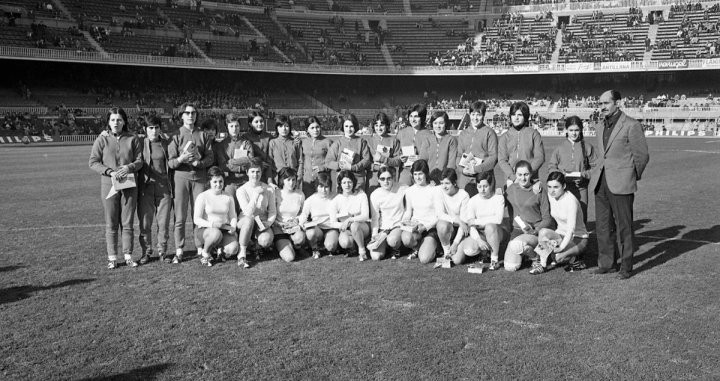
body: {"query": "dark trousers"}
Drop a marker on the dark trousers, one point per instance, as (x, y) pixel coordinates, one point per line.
(614, 210)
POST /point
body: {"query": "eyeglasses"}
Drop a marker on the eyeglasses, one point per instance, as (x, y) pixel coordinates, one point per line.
(190, 112)
(151, 127)
(387, 178)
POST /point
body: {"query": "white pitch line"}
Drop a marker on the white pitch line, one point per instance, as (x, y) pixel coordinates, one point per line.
(699, 151)
(103, 225)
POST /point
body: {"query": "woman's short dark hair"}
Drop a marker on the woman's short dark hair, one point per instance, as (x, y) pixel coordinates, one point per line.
(209, 124)
(524, 108)
(383, 118)
(324, 179)
(575, 121)
(488, 176)
(310, 120)
(450, 174)
(440, 114)
(343, 175)
(254, 114)
(152, 120)
(118, 111)
(521, 164)
(353, 119)
(215, 172)
(283, 119)
(286, 173)
(386, 168)
(256, 162)
(478, 106)
(421, 110)
(557, 176)
(232, 118)
(421, 166)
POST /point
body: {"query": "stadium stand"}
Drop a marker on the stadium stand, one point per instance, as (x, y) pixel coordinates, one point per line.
(598, 37)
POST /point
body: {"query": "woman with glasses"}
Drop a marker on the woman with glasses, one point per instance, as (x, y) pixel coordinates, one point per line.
(386, 207)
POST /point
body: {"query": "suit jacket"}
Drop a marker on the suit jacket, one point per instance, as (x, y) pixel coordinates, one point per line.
(624, 159)
(144, 172)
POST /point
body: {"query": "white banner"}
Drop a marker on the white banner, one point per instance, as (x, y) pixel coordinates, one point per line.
(615, 65)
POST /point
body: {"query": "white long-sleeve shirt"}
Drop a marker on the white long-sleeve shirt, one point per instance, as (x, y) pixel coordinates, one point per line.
(568, 215)
(354, 205)
(481, 211)
(387, 207)
(448, 207)
(211, 207)
(420, 205)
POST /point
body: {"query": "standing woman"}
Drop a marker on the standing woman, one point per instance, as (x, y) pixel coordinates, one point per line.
(190, 153)
(439, 148)
(289, 202)
(216, 219)
(410, 138)
(233, 155)
(283, 150)
(520, 142)
(350, 212)
(575, 159)
(570, 239)
(484, 215)
(390, 154)
(313, 151)
(530, 212)
(421, 214)
(261, 140)
(450, 203)
(257, 203)
(386, 207)
(482, 142)
(155, 182)
(117, 156)
(350, 152)
(316, 209)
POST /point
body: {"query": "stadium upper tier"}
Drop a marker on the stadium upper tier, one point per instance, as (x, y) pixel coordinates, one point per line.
(393, 36)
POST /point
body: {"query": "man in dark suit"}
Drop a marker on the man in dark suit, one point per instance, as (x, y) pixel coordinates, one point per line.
(623, 155)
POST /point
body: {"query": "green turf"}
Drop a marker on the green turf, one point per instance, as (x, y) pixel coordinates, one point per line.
(64, 316)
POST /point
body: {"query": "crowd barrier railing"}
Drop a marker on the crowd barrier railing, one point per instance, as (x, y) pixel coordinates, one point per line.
(78, 138)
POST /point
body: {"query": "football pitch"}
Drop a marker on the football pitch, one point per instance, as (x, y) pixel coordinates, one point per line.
(63, 315)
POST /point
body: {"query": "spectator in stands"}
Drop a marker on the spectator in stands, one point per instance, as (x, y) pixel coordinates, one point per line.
(479, 142)
(520, 142)
(190, 153)
(314, 149)
(350, 152)
(385, 149)
(575, 159)
(216, 219)
(155, 190)
(117, 157)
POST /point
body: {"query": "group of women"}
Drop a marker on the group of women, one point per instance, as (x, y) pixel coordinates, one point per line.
(423, 190)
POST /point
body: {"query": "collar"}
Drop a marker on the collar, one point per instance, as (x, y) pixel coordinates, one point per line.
(612, 119)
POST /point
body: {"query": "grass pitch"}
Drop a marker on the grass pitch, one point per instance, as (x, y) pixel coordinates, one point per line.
(64, 316)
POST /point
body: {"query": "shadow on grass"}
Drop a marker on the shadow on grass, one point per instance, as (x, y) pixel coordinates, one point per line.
(10, 268)
(15, 294)
(672, 247)
(144, 373)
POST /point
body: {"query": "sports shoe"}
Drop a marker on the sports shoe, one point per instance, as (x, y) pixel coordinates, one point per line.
(144, 259)
(576, 266)
(165, 258)
(220, 257)
(494, 265)
(111, 265)
(363, 257)
(537, 269)
(177, 259)
(316, 254)
(395, 254)
(258, 252)
(412, 256)
(131, 263)
(242, 262)
(206, 261)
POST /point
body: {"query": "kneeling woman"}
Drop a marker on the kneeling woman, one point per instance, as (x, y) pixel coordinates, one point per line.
(570, 238)
(349, 211)
(420, 214)
(451, 201)
(289, 237)
(316, 209)
(386, 205)
(257, 202)
(484, 215)
(215, 216)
